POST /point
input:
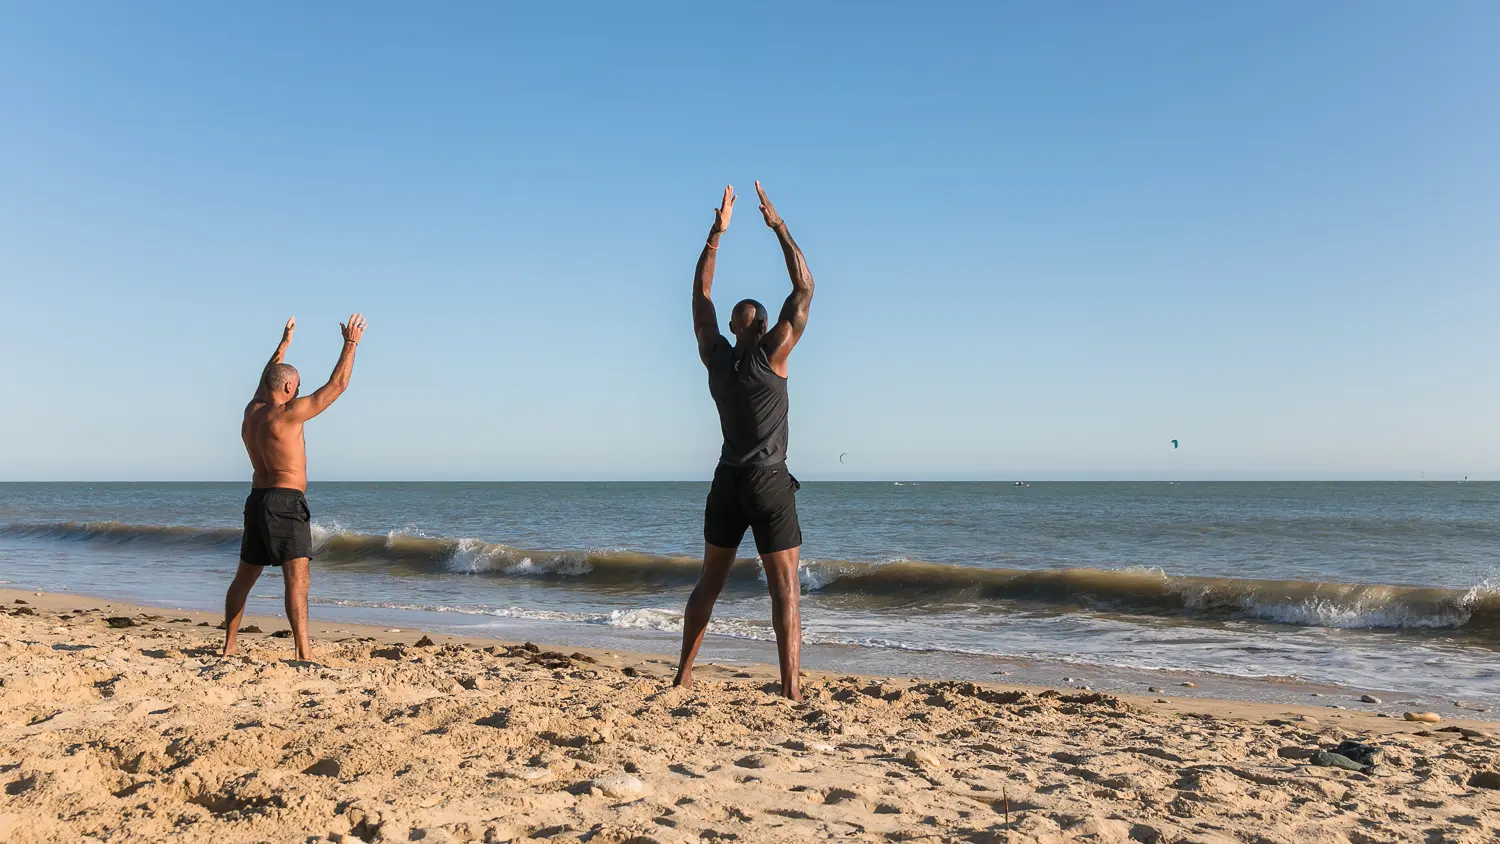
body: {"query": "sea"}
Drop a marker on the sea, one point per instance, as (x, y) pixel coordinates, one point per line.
(1386, 587)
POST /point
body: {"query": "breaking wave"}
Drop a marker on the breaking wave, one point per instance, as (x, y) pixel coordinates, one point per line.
(892, 583)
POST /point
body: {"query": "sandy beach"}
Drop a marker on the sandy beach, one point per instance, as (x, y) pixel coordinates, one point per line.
(122, 723)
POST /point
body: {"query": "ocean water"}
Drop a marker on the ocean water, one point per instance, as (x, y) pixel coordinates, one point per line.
(1368, 585)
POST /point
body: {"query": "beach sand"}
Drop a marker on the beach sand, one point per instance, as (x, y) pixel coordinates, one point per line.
(140, 732)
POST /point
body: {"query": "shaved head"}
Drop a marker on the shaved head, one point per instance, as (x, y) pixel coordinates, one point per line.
(279, 376)
(746, 312)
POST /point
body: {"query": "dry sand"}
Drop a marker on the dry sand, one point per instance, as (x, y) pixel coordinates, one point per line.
(142, 733)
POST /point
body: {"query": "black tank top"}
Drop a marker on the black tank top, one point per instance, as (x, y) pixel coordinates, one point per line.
(752, 405)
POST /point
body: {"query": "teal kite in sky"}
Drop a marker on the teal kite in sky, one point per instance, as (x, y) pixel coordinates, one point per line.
(1174, 443)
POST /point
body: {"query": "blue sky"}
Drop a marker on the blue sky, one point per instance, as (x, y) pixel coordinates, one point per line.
(1048, 238)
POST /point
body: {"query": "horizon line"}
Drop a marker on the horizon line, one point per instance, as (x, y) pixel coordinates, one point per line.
(878, 480)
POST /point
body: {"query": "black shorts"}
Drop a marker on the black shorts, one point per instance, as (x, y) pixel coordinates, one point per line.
(278, 528)
(761, 498)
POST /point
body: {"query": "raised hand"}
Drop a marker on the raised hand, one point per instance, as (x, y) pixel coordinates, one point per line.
(725, 209)
(767, 210)
(354, 329)
(286, 333)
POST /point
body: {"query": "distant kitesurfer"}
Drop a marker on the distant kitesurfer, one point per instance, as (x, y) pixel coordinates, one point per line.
(752, 487)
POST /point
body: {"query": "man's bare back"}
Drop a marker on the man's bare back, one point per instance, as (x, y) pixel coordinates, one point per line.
(278, 525)
(277, 446)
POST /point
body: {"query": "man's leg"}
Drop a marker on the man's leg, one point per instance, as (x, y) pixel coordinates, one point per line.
(234, 604)
(786, 617)
(700, 607)
(296, 575)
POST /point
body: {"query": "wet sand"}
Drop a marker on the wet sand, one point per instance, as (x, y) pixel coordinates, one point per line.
(140, 732)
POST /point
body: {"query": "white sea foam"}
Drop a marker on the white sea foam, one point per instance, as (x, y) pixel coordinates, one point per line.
(322, 532)
(410, 530)
(471, 556)
(646, 618)
(1322, 612)
(567, 565)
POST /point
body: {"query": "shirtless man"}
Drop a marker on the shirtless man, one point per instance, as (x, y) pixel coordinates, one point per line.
(752, 487)
(278, 527)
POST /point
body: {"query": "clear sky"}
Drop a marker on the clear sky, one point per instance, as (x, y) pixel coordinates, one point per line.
(1048, 238)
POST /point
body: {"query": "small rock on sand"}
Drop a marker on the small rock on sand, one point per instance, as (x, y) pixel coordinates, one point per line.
(394, 630)
(1335, 760)
(1190, 685)
(120, 621)
(425, 642)
(1369, 699)
(618, 786)
(251, 628)
(754, 760)
(1156, 690)
(19, 601)
(1466, 732)
(1363, 754)
(1424, 717)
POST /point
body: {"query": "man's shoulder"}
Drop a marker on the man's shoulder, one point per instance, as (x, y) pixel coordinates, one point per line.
(271, 415)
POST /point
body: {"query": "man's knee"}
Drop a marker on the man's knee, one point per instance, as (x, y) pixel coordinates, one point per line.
(295, 572)
(246, 574)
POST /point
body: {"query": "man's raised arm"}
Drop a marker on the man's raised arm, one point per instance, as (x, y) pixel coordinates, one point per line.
(705, 321)
(307, 407)
(793, 321)
(263, 390)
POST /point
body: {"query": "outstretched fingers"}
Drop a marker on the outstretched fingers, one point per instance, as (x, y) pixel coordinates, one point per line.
(766, 208)
(354, 329)
(725, 209)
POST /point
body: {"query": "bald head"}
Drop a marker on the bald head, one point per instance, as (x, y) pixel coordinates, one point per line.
(282, 380)
(749, 313)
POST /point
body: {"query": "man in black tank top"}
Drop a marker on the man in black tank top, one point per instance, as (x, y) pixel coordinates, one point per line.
(752, 488)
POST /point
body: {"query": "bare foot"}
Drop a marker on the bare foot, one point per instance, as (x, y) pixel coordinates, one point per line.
(684, 680)
(229, 649)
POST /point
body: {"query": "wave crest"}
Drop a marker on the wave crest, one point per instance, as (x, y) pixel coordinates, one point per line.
(896, 582)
